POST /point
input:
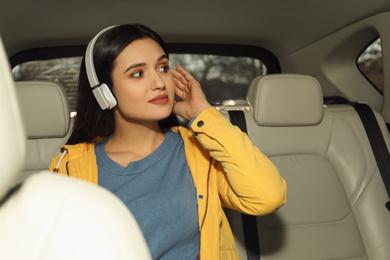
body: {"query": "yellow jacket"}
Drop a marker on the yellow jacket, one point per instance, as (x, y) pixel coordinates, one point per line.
(227, 169)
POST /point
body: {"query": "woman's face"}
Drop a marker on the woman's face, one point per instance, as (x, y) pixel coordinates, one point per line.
(142, 82)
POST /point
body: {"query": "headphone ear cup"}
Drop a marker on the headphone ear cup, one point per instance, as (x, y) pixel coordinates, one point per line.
(101, 92)
(104, 97)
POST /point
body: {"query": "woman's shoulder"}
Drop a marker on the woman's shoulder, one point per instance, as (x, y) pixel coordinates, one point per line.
(70, 152)
(78, 150)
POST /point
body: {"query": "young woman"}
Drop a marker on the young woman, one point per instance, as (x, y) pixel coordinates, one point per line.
(175, 180)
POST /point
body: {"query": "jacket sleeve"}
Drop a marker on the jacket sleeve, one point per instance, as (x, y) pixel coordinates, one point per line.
(247, 180)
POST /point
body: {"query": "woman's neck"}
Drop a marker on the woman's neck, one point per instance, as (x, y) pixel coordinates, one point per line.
(133, 142)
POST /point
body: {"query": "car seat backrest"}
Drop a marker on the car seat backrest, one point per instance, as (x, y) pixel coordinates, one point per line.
(12, 149)
(336, 199)
(51, 216)
(45, 111)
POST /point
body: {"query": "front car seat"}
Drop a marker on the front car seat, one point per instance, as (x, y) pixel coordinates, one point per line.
(50, 216)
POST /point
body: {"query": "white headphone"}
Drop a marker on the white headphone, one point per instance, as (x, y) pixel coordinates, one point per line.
(101, 92)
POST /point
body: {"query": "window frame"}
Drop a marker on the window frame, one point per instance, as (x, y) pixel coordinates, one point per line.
(265, 56)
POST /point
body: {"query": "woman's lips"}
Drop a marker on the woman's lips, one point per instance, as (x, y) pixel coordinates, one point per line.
(159, 100)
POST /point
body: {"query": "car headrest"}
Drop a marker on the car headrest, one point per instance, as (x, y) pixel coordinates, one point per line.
(45, 109)
(286, 100)
(13, 138)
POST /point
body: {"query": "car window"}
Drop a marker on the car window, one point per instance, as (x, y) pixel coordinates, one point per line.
(370, 64)
(64, 71)
(224, 79)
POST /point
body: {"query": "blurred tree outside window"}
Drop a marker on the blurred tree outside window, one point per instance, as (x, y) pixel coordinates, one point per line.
(370, 64)
(64, 71)
(224, 79)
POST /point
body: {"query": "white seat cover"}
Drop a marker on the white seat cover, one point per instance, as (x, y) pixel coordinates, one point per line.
(12, 148)
(52, 216)
(57, 217)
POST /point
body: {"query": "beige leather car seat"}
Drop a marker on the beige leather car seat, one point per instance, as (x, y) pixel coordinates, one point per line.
(45, 112)
(335, 207)
(51, 216)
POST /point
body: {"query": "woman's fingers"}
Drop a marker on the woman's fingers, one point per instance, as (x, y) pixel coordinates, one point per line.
(179, 84)
(190, 91)
(187, 76)
(179, 77)
(179, 89)
(183, 88)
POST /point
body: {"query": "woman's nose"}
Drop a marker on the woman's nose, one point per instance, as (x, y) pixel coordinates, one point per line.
(158, 82)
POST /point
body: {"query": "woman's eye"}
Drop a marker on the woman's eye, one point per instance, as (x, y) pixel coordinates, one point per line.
(137, 74)
(164, 69)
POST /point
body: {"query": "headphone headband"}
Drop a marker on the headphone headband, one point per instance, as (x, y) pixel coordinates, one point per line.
(102, 93)
(89, 64)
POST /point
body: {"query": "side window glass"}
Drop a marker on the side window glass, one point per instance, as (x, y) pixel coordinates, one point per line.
(64, 71)
(370, 64)
(224, 79)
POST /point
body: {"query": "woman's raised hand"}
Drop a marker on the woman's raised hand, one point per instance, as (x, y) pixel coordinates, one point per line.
(190, 91)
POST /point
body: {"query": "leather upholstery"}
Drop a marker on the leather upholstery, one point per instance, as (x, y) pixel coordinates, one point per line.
(45, 108)
(52, 216)
(57, 217)
(12, 149)
(335, 207)
(269, 96)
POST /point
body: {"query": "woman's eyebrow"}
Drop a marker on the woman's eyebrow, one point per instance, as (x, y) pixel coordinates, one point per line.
(134, 66)
(164, 56)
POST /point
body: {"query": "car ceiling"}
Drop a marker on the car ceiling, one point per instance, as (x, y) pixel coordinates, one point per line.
(279, 26)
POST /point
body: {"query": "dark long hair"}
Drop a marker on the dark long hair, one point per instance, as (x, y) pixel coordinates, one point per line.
(91, 121)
